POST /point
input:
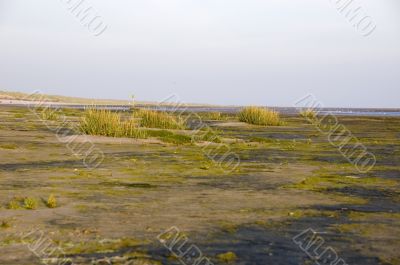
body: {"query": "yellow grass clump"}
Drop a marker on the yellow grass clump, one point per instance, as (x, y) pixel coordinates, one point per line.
(30, 203)
(51, 201)
(308, 113)
(259, 116)
(108, 123)
(157, 119)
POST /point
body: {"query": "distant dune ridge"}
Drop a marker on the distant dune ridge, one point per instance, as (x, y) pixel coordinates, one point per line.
(19, 96)
(11, 97)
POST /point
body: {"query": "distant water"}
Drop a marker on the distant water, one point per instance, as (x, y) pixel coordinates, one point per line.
(294, 111)
(364, 113)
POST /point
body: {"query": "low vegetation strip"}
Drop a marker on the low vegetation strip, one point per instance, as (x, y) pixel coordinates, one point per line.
(169, 137)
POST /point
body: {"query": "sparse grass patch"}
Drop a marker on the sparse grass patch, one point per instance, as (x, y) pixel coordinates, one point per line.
(71, 112)
(19, 115)
(157, 119)
(216, 116)
(130, 129)
(209, 136)
(260, 116)
(49, 114)
(102, 246)
(261, 139)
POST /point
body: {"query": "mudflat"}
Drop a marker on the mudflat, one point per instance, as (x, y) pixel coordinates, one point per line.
(290, 179)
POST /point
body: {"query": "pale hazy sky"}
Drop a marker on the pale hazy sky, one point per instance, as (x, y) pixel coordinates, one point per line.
(264, 52)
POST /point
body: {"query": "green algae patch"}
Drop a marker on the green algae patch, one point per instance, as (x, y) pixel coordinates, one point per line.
(228, 257)
(170, 137)
(8, 146)
(227, 227)
(368, 230)
(10, 240)
(5, 224)
(303, 213)
(374, 216)
(324, 182)
(128, 185)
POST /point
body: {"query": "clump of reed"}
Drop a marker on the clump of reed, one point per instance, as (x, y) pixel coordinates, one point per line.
(157, 119)
(108, 123)
(259, 116)
(308, 114)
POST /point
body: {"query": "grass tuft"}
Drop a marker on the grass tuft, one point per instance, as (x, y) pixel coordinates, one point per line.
(30, 203)
(107, 123)
(308, 114)
(157, 119)
(260, 116)
(14, 204)
(100, 122)
(51, 201)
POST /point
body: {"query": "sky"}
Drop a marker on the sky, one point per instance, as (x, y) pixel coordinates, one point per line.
(229, 52)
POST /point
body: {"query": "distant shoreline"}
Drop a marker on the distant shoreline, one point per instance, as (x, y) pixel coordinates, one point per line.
(385, 112)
